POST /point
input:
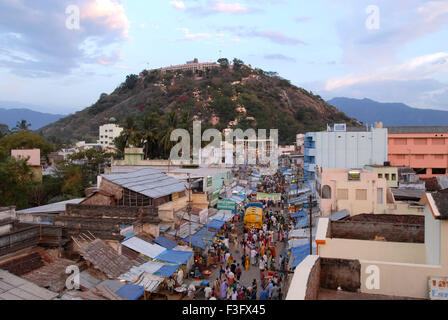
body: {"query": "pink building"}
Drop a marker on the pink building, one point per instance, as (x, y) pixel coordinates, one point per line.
(424, 149)
(33, 161)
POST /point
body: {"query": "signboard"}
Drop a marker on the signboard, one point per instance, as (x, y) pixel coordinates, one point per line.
(226, 204)
(438, 288)
(127, 231)
(269, 196)
(203, 216)
(209, 182)
(175, 196)
(214, 198)
(354, 175)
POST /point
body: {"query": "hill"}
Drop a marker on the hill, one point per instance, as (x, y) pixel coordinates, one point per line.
(391, 114)
(10, 117)
(237, 95)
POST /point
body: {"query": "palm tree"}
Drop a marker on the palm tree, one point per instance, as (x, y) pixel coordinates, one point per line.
(150, 133)
(132, 137)
(171, 125)
(21, 125)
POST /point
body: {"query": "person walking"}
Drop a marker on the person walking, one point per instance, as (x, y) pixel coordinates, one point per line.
(238, 272)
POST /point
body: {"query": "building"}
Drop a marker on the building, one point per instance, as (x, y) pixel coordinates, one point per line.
(193, 66)
(424, 149)
(300, 140)
(358, 191)
(387, 172)
(33, 161)
(344, 147)
(108, 133)
(392, 256)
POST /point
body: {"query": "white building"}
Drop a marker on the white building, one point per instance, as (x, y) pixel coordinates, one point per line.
(341, 147)
(108, 133)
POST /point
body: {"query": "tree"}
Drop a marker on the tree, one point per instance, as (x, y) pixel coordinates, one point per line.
(21, 125)
(131, 81)
(150, 133)
(171, 124)
(224, 63)
(237, 64)
(26, 139)
(15, 183)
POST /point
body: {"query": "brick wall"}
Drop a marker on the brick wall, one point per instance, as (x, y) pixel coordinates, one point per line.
(342, 273)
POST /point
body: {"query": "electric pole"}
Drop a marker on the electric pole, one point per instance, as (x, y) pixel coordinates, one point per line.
(311, 224)
(189, 207)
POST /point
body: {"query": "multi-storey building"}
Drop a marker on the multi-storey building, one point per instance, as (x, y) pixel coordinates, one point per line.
(344, 147)
(108, 133)
(424, 149)
(193, 66)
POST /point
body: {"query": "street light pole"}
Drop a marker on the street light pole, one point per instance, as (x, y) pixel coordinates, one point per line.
(189, 206)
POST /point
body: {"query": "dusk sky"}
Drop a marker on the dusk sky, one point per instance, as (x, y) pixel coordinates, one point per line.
(332, 47)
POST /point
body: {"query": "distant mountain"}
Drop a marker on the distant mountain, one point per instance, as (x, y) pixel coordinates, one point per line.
(10, 117)
(391, 114)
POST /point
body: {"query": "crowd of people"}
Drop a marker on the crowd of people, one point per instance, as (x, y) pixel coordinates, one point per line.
(253, 248)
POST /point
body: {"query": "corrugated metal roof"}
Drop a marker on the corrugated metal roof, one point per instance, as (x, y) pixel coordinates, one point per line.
(223, 215)
(149, 281)
(143, 247)
(339, 215)
(149, 182)
(131, 291)
(184, 229)
(135, 272)
(414, 129)
(13, 287)
(54, 207)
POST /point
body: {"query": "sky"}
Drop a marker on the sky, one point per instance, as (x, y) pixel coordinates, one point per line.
(385, 50)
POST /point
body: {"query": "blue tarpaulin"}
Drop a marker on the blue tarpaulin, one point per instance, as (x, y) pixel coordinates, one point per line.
(298, 214)
(131, 291)
(298, 254)
(167, 270)
(173, 256)
(302, 222)
(216, 224)
(166, 243)
(199, 239)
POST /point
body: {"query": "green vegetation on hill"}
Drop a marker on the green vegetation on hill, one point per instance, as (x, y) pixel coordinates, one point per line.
(159, 101)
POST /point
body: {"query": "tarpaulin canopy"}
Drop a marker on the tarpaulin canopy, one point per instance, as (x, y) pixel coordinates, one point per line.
(298, 254)
(269, 196)
(131, 291)
(298, 214)
(200, 238)
(216, 224)
(173, 256)
(302, 222)
(167, 270)
(166, 243)
(237, 199)
(143, 247)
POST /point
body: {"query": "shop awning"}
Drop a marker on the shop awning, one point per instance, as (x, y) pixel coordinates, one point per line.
(166, 243)
(131, 291)
(167, 270)
(176, 257)
(298, 254)
(216, 224)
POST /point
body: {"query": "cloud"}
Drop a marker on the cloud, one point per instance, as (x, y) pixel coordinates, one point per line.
(272, 35)
(192, 36)
(35, 37)
(418, 68)
(301, 19)
(209, 7)
(280, 57)
(178, 5)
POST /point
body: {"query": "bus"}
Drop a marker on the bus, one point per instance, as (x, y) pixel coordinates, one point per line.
(254, 215)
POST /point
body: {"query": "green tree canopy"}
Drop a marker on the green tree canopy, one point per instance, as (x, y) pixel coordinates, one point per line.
(26, 139)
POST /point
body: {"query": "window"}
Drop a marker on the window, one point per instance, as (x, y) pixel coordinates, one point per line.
(380, 175)
(394, 177)
(380, 195)
(400, 141)
(342, 194)
(387, 176)
(438, 142)
(421, 141)
(420, 156)
(400, 156)
(438, 171)
(326, 192)
(361, 194)
(419, 170)
(438, 156)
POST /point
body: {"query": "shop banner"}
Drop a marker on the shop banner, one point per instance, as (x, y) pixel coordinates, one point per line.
(226, 204)
(269, 196)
